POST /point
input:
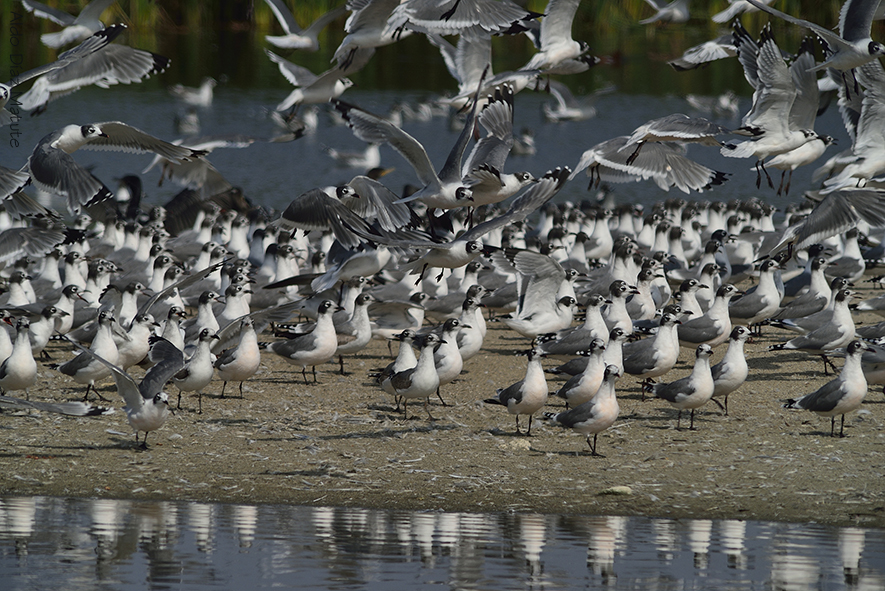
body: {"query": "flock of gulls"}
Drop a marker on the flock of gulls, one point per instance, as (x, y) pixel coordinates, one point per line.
(187, 291)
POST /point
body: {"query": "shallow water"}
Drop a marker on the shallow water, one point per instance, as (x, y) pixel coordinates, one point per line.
(51, 543)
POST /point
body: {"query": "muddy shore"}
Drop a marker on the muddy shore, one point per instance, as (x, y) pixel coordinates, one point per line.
(340, 442)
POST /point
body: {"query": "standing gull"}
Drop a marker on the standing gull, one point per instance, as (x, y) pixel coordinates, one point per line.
(730, 373)
(528, 395)
(597, 414)
(692, 391)
(841, 395)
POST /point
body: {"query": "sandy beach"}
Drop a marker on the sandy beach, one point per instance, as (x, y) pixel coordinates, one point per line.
(340, 442)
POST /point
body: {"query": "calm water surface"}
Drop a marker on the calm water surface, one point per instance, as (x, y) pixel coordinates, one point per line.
(52, 543)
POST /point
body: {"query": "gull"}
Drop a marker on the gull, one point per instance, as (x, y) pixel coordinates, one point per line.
(730, 373)
(538, 316)
(664, 163)
(352, 205)
(714, 326)
(19, 370)
(833, 334)
(760, 303)
(866, 157)
(42, 327)
(296, 37)
(199, 174)
(805, 324)
(84, 368)
(72, 409)
(769, 118)
(114, 64)
(466, 62)
(201, 96)
(365, 160)
(447, 355)
(392, 317)
(420, 381)
(11, 181)
(239, 363)
(198, 370)
(133, 346)
(835, 214)
(462, 17)
(367, 27)
(597, 414)
(310, 88)
(311, 348)
(615, 311)
(92, 44)
(405, 359)
(614, 348)
(673, 128)
(802, 116)
(171, 330)
(569, 108)
(723, 105)
(528, 395)
(736, 8)
(76, 28)
(445, 190)
(674, 12)
(583, 386)
(556, 44)
(483, 171)
(356, 333)
(471, 337)
(569, 341)
(467, 246)
(52, 169)
(147, 406)
(656, 355)
(841, 395)
(814, 299)
(205, 317)
(687, 297)
(692, 391)
(852, 46)
(700, 55)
